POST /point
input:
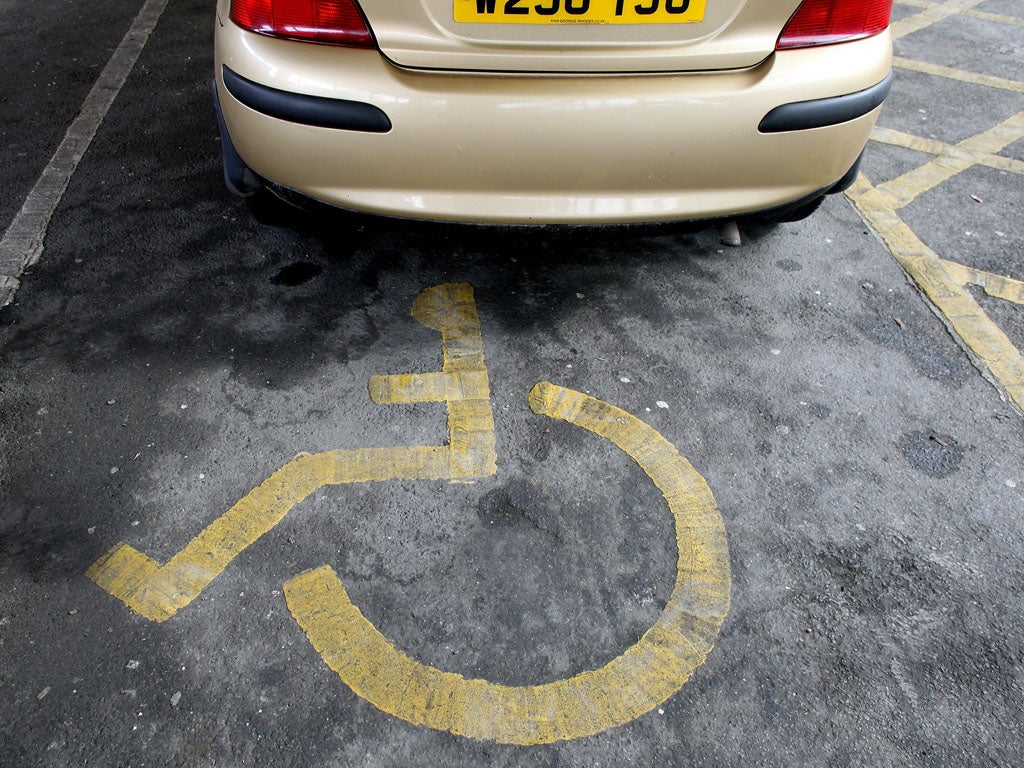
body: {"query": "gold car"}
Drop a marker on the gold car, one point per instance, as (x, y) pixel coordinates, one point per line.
(550, 111)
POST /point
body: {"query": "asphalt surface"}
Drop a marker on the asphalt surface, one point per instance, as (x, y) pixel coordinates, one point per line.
(173, 348)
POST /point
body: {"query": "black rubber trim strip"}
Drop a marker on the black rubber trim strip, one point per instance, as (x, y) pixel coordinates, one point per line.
(307, 110)
(803, 115)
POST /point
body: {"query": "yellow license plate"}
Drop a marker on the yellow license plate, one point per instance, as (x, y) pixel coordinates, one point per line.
(580, 11)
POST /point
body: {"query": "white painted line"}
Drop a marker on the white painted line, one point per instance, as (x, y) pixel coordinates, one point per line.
(22, 243)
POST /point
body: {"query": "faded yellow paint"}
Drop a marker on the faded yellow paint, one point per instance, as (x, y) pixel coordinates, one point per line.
(429, 387)
(999, 18)
(934, 147)
(159, 591)
(645, 675)
(951, 161)
(964, 76)
(944, 283)
(931, 14)
(996, 286)
(908, 140)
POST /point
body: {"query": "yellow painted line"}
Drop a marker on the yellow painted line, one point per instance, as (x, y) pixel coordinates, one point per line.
(428, 387)
(953, 160)
(645, 675)
(931, 15)
(159, 591)
(974, 78)
(934, 147)
(1000, 163)
(996, 286)
(908, 141)
(944, 285)
(999, 18)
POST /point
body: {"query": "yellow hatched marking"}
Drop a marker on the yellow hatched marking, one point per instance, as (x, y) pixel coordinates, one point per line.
(944, 283)
(159, 591)
(952, 160)
(645, 675)
(950, 73)
(934, 147)
(909, 141)
(996, 286)
(999, 18)
(931, 15)
(1000, 163)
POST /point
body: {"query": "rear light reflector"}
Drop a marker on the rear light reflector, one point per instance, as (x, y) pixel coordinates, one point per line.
(823, 22)
(339, 22)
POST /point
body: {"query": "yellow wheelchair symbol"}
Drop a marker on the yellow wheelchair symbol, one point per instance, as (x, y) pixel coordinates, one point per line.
(641, 678)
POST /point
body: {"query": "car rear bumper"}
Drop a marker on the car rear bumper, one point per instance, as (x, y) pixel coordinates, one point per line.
(543, 149)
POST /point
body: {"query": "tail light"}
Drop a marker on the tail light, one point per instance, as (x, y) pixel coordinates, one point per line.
(339, 22)
(823, 22)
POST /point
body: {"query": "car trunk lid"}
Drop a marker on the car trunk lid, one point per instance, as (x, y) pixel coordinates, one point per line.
(577, 35)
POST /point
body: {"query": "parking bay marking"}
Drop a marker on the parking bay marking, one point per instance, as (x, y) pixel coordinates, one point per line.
(159, 591)
(643, 676)
(635, 682)
(981, 148)
(945, 284)
(22, 243)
